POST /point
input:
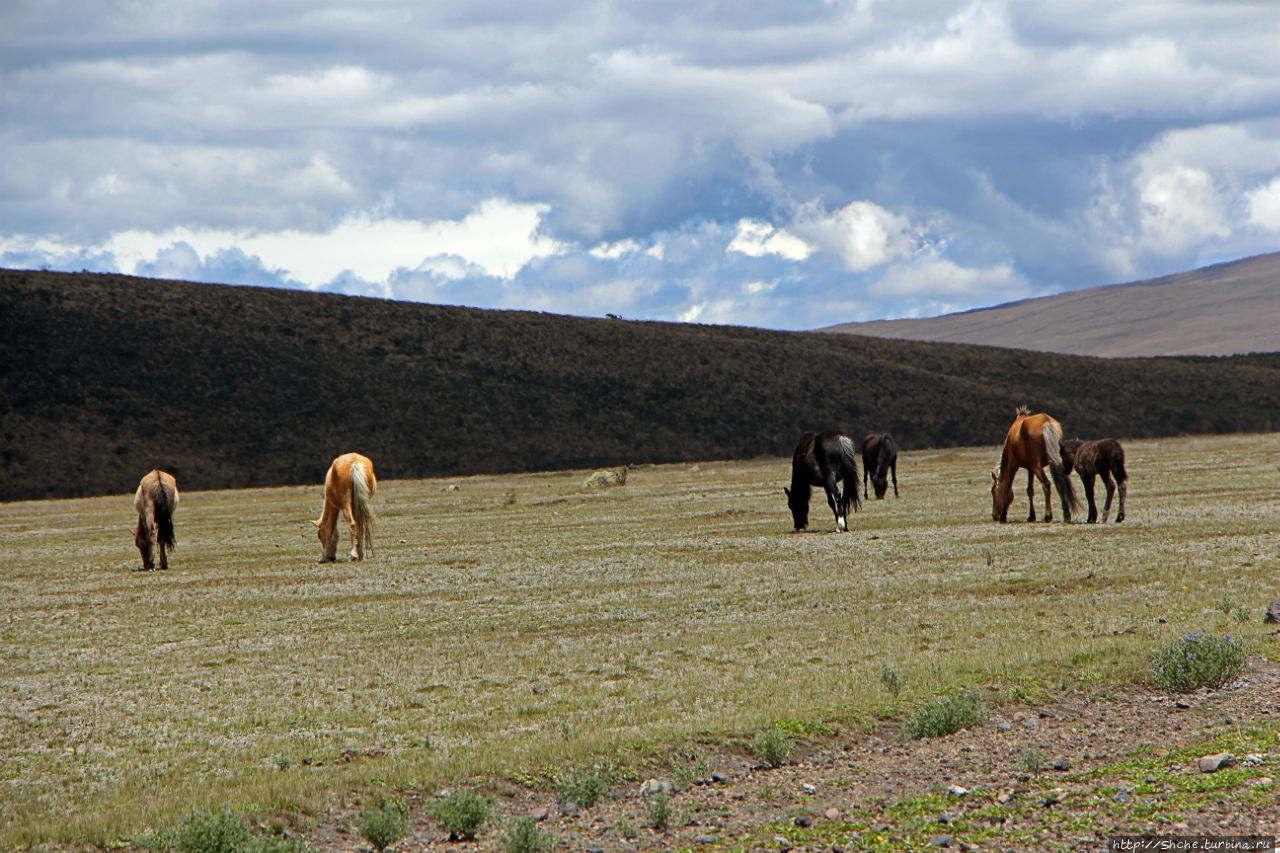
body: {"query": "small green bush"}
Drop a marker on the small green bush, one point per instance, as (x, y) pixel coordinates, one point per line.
(1197, 660)
(583, 786)
(942, 717)
(384, 823)
(461, 814)
(524, 836)
(212, 832)
(893, 681)
(772, 746)
(658, 811)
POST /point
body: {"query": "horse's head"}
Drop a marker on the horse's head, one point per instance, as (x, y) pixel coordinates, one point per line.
(799, 505)
(880, 483)
(1001, 497)
(1068, 449)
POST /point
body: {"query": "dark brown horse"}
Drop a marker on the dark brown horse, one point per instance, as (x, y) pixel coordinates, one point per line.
(1032, 443)
(879, 460)
(1102, 458)
(155, 501)
(823, 459)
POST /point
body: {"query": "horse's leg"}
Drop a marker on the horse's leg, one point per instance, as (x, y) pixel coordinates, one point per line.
(143, 542)
(1122, 487)
(357, 552)
(893, 469)
(1048, 495)
(1111, 490)
(836, 501)
(1089, 479)
(1031, 494)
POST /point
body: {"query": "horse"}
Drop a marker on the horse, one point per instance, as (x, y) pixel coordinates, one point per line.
(1104, 458)
(155, 501)
(823, 459)
(1032, 443)
(879, 459)
(348, 488)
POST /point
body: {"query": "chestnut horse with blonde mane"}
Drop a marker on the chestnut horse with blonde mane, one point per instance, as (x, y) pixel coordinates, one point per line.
(155, 501)
(1032, 443)
(348, 489)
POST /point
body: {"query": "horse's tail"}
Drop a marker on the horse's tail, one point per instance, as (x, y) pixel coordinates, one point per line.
(1052, 434)
(1117, 465)
(849, 470)
(164, 503)
(362, 486)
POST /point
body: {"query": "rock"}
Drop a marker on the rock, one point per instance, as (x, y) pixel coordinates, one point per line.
(940, 841)
(452, 487)
(719, 778)
(605, 479)
(1120, 797)
(705, 839)
(1062, 764)
(1253, 759)
(540, 813)
(568, 809)
(957, 790)
(1214, 763)
(803, 821)
(831, 814)
(783, 843)
(1273, 612)
(654, 786)
(1004, 726)
(809, 789)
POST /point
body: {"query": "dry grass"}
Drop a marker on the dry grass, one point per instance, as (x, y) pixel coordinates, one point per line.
(520, 622)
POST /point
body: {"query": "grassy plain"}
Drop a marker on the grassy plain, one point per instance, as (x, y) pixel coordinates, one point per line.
(519, 622)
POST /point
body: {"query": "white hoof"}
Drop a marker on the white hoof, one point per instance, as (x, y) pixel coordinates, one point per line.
(841, 526)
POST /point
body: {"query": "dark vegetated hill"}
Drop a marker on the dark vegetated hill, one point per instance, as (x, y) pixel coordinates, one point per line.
(107, 376)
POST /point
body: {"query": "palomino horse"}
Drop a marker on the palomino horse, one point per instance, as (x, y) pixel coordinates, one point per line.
(823, 460)
(1032, 443)
(155, 502)
(348, 488)
(1102, 458)
(879, 459)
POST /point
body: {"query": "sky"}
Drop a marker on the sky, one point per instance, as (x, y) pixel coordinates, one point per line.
(787, 165)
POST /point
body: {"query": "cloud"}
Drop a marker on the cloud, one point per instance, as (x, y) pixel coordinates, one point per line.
(861, 234)
(771, 164)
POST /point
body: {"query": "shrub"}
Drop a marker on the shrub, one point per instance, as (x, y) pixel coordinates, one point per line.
(658, 811)
(461, 814)
(212, 832)
(772, 746)
(583, 786)
(942, 717)
(524, 836)
(384, 823)
(893, 682)
(1197, 660)
(277, 844)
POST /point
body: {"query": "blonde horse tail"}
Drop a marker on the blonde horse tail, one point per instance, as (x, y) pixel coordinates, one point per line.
(1061, 479)
(362, 486)
(849, 471)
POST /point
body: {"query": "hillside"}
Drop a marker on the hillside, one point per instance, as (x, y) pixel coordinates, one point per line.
(1219, 310)
(107, 376)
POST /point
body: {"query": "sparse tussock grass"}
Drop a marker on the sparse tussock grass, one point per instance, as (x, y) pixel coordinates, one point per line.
(772, 746)
(572, 627)
(945, 716)
(525, 836)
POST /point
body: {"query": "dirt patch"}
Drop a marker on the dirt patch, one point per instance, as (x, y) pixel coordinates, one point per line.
(1060, 776)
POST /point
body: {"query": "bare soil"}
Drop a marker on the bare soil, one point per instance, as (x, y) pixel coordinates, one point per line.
(1065, 775)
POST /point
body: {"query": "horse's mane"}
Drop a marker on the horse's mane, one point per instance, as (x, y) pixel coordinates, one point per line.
(1020, 411)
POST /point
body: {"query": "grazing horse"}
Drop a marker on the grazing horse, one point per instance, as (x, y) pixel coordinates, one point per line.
(348, 488)
(1032, 443)
(823, 460)
(155, 501)
(879, 459)
(1102, 458)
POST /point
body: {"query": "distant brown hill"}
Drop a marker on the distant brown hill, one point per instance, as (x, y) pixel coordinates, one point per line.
(103, 377)
(1226, 309)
